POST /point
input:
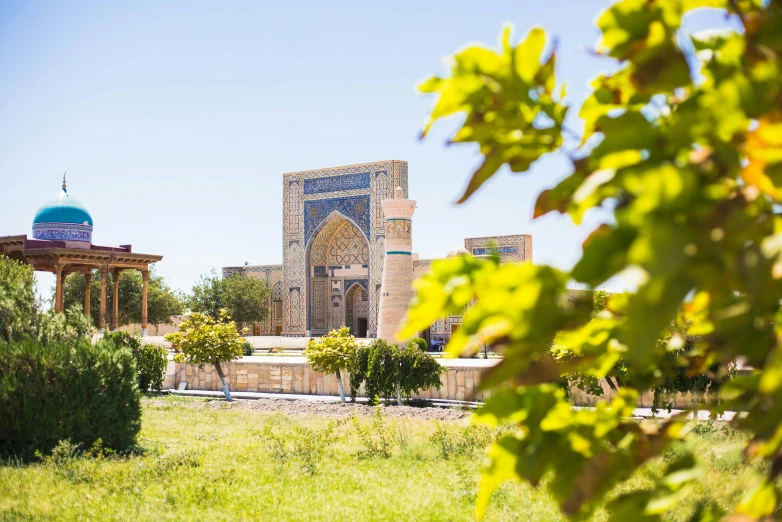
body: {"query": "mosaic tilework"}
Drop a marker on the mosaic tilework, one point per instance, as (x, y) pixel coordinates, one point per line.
(355, 207)
(277, 291)
(262, 269)
(381, 191)
(62, 232)
(350, 282)
(318, 293)
(336, 183)
(511, 248)
(337, 315)
(348, 247)
(319, 248)
(296, 220)
(295, 307)
(501, 250)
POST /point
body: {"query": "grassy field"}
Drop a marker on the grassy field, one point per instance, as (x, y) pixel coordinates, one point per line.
(199, 462)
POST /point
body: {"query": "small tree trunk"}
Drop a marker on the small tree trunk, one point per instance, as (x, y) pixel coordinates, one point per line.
(341, 388)
(220, 373)
(398, 393)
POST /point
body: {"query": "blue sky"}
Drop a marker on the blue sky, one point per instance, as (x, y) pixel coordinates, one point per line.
(175, 121)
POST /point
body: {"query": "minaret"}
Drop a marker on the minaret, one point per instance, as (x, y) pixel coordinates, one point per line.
(396, 289)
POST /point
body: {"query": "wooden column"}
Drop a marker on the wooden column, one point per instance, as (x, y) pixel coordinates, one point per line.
(104, 277)
(87, 283)
(144, 280)
(115, 301)
(58, 289)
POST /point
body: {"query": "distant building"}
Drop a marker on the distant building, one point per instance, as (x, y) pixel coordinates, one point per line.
(334, 246)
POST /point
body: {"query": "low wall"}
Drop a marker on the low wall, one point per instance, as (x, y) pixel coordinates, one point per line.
(292, 374)
(278, 374)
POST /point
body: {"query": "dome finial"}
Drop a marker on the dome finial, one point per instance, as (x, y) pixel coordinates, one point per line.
(63, 182)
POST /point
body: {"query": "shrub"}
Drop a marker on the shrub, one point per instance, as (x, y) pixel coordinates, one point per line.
(418, 371)
(386, 370)
(204, 340)
(418, 343)
(375, 366)
(248, 348)
(77, 392)
(332, 352)
(151, 360)
(65, 328)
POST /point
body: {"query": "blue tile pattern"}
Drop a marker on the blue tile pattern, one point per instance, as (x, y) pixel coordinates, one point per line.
(351, 282)
(336, 183)
(62, 232)
(501, 250)
(320, 271)
(355, 207)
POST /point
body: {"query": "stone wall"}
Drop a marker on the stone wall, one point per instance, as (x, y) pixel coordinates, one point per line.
(286, 374)
(278, 374)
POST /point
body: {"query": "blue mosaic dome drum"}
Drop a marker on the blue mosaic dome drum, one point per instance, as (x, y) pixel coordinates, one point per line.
(63, 218)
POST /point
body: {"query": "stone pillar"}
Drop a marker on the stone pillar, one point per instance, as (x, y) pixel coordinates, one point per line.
(115, 301)
(59, 304)
(144, 281)
(87, 284)
(104, 277)
(396, 288)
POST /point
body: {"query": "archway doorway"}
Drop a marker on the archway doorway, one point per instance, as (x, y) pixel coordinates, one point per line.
(337, 259)
(357, 310)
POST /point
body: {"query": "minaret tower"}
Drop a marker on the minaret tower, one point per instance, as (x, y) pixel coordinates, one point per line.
(396, 289)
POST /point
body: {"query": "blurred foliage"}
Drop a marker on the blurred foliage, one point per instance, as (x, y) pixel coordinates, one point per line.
(682, 143)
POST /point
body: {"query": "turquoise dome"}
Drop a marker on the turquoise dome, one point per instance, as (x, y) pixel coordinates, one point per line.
(63, 208)
(63, 218)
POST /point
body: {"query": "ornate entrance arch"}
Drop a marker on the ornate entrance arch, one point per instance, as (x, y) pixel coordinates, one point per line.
(357, 310)
(337, 256)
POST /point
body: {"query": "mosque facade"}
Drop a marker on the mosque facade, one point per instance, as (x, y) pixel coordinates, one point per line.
(334, 244)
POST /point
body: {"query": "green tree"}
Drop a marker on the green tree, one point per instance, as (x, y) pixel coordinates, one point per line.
(17, 299)
(204, 340)
(20, 314)
(162, 302)
(682, 142)
(245, 298)
(332, 352)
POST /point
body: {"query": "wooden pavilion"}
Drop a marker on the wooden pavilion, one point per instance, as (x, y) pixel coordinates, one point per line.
(68, 257)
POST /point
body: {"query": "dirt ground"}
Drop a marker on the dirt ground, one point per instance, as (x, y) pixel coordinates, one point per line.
(326, 409)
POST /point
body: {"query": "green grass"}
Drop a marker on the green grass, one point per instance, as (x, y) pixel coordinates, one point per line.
(197, 462)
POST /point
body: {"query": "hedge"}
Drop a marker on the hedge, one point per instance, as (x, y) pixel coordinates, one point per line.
(66, 391)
